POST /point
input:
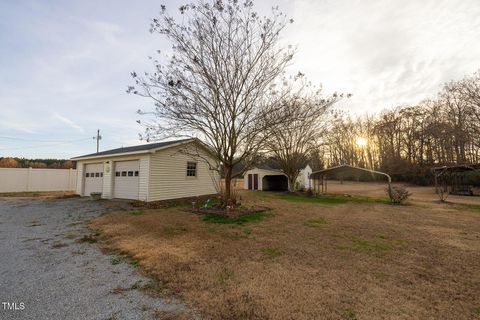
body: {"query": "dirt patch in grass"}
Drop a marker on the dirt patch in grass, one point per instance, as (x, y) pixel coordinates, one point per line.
(368, 261)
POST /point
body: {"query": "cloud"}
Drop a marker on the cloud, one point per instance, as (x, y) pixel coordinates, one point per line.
(68, 122)
(386, 53)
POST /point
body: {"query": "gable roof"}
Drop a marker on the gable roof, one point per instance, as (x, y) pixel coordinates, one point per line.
(265, 166)
(272, 167)
(134, 149)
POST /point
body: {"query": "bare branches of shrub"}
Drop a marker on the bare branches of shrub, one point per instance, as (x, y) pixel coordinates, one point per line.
(398, 194)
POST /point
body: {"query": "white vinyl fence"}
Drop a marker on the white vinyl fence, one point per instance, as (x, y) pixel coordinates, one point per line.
(28, 179)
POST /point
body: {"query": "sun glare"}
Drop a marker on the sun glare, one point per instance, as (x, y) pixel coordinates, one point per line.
(361, 141)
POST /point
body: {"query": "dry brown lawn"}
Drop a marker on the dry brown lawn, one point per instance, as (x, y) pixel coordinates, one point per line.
(312, 260)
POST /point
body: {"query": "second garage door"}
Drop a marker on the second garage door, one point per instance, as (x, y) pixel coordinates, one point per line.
(126, 179)
(93, 178)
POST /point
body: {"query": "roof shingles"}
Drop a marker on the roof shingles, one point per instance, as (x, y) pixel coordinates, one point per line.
(143, 147)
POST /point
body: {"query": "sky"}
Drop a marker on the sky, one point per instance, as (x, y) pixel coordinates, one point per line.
(65, 65)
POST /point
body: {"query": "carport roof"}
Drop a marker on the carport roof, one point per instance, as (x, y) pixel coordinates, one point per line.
(345, 169)
(133, 149)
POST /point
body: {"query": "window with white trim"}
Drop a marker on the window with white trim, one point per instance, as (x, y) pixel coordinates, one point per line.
(191, 169)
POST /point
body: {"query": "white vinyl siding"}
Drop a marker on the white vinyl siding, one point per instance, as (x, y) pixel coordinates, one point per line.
(144, 178)
(107, 180)
(80, 177)
(169, 180)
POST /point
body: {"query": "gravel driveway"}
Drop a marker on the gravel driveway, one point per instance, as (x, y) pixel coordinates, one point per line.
(53, 276)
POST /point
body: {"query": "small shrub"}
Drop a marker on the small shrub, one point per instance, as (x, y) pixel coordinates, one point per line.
(399, 194)
(442, 194)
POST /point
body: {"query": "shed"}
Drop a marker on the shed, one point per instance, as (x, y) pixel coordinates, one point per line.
(266, 178)
(149, 172)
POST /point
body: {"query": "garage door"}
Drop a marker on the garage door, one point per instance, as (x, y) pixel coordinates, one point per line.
(93, 178)
(126, 179)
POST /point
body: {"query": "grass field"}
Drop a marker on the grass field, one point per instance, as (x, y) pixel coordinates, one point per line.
(353, 258)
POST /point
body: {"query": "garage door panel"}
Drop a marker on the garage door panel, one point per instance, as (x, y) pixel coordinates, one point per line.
(93, 178)
(126, 184)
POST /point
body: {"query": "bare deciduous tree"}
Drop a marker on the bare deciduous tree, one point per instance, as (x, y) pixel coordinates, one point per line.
(218, 84)
(291, 142)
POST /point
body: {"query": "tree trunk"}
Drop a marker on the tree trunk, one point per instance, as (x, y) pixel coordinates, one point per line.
(291, 184)
(228, 185)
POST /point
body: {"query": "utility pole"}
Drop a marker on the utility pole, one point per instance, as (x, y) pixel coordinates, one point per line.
(99, 137)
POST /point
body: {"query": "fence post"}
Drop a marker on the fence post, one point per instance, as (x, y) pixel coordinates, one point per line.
(29, 178)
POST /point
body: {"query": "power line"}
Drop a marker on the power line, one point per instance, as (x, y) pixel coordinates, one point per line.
(35, 140)
(46, 145)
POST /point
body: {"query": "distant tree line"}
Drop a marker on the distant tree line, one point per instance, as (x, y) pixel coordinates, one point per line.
(9, 162)
(408, 141)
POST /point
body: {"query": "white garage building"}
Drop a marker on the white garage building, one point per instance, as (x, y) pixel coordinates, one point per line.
(150, 172)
